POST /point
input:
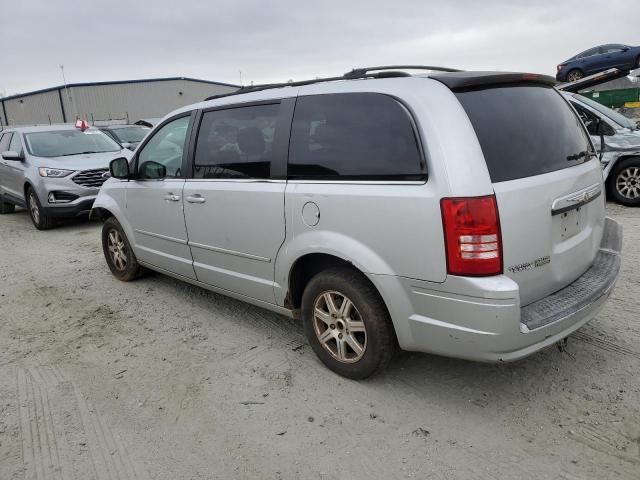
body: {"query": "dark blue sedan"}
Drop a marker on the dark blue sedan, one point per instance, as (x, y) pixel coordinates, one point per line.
(598, 59)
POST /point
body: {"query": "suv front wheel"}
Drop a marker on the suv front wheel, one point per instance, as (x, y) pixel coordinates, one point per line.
(40, 219)
(118, 253)
(347, 323)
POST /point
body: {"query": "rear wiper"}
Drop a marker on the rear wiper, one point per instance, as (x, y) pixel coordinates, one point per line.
(579, 155)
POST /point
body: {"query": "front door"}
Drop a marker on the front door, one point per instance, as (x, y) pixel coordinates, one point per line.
(234, 202)
(155, 200)
(14, 171)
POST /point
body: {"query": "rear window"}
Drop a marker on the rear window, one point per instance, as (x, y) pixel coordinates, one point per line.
(353, 136)
(525, 130)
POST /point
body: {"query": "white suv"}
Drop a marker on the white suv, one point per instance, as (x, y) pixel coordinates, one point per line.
(456, 213)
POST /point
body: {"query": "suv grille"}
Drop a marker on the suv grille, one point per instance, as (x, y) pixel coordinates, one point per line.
(90, 178)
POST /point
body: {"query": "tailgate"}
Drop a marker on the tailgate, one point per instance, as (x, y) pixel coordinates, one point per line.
(547, 182)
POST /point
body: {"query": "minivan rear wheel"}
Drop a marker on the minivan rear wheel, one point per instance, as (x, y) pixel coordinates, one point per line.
(624, 182)
(347, 323)
(118, 253)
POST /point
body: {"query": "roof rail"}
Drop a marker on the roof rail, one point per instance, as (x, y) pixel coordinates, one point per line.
(356, 73)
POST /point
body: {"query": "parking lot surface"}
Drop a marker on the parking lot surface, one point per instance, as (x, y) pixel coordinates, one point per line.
(157, 379)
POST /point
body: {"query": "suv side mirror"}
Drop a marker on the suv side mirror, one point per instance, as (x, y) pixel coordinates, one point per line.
(11, 155)
(119, 168)
(603, 128)
(152, 171)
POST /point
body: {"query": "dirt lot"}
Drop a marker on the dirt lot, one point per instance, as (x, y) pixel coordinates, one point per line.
(160, 380)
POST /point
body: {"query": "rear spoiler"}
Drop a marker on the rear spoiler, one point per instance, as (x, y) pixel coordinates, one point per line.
(469, 80)
(593, 80)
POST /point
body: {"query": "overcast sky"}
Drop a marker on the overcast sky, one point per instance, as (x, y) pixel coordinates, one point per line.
(282, 40)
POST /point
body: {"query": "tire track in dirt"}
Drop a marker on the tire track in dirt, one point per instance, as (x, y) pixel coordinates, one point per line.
(605, 344)
(46, 452)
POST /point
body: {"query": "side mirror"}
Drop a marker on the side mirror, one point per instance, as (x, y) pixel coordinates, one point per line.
(11, 155)
(603, 128)
(152, 171)
(119, 168)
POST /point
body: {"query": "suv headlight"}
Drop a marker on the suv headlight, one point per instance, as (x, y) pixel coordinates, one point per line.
(54, 172)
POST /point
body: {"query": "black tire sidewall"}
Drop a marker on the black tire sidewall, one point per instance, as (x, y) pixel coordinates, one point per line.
(611, 182)
(381, 340)
(133, 268)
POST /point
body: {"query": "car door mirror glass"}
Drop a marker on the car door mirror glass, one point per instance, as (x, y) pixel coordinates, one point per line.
(11, 155)
(119, 168)
(151, 170)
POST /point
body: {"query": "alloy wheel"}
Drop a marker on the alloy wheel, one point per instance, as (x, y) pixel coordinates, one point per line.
(33, 207)
(628, 183)
(339, 327)
(117, 249)
(573, 76)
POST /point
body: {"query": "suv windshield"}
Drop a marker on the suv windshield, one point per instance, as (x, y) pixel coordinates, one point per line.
(607, 112)
(130, 134)
(60, 143)
(525, 130)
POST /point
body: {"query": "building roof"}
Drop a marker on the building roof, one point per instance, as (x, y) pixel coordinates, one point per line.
(117, 82)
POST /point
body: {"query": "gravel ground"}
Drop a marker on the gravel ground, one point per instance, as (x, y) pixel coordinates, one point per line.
(157, 379)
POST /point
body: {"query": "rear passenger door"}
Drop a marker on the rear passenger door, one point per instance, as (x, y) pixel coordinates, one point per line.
(234, 200)
(14, 170)
(5, 138)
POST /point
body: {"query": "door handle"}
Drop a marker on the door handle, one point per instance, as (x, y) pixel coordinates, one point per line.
(171, 197)
(196, 199)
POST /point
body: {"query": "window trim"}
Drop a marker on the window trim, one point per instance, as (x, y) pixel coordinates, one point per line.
(280, 141)
(383, 179)
(10, 135)
(156, 129)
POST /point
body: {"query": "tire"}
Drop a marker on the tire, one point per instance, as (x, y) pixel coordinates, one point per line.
(118, 252)
(575, 74)
(6, 207)
(624, 182)
(366, 324)
(40, 220)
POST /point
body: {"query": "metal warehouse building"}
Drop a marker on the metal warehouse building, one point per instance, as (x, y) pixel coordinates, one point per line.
(126, 100)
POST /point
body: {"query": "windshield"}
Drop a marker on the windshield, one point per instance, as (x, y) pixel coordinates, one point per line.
(130, 134)
(59, 143)
(607, 112)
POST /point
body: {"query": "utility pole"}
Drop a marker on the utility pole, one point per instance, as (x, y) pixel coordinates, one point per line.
(66, 89)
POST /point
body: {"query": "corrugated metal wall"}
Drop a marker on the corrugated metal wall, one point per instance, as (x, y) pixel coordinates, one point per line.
(31, 109)
(132, 101)
(136, 100)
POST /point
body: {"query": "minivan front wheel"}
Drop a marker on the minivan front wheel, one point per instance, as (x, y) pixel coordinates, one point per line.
(40, 219)
(118, 253)
(624, 182)
(347, 323)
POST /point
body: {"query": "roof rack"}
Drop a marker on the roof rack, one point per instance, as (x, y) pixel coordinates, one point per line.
(357, 73)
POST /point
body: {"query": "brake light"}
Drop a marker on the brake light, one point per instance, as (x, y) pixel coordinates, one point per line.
(472, 235)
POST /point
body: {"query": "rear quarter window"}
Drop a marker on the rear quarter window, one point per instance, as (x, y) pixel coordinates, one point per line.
(353, 136)
(525, 130)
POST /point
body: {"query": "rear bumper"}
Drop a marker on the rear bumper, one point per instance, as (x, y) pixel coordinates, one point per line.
(481, 318)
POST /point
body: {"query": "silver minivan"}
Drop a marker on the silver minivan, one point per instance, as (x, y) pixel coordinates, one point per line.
(455, 213)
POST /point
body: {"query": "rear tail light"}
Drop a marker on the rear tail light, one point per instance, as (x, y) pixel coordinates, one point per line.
(472, 236)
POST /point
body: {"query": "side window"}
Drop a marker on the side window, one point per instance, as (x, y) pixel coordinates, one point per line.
(16, 143)
(4, 142)
(353, 136)
(587, 118)
(161, 157)
(236, 142)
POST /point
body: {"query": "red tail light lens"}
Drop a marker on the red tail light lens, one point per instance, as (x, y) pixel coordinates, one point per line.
(472, 236)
